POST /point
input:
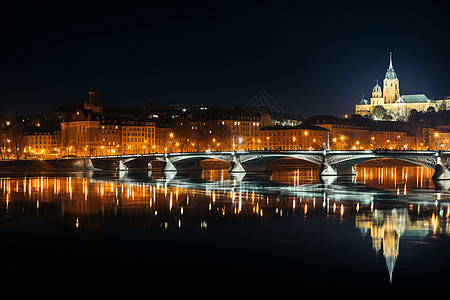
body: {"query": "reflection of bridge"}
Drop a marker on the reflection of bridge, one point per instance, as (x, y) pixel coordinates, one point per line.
(332, 163)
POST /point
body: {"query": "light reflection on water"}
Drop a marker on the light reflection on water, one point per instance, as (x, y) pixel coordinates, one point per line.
(385, 204)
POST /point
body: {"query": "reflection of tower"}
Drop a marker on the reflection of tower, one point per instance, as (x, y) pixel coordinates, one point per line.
(390, 84)
(391, 242)
(386, 227)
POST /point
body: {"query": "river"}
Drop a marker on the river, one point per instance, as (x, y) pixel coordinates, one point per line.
(383, 232)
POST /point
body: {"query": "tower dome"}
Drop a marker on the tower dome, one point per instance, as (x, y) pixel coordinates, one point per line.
(376, 88)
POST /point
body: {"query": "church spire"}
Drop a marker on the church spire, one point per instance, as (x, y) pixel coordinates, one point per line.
(390, 72)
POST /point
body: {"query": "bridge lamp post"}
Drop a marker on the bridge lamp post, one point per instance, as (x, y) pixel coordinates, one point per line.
(233, 143)
(306, 139)
(373, 143)
(328, 140)
(436, 135)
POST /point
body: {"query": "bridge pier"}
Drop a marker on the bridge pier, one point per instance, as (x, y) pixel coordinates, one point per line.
(258, 165)
(121, 166)
(168, 167)
(236, 166)
(337, 170)
(327, 170)
(441, 171)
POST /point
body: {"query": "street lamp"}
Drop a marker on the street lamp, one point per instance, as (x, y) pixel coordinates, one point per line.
(306, 139)
(436, 135)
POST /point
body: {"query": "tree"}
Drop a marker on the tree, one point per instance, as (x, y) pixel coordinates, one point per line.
(17, 137)
(413, 112)
(379, 113)
(431, 109)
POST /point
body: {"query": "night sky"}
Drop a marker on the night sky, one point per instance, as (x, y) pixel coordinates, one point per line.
(311, 58)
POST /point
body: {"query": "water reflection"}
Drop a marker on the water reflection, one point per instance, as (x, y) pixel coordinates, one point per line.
(386, 204)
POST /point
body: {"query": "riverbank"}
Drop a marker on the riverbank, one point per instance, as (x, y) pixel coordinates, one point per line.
(25, 164)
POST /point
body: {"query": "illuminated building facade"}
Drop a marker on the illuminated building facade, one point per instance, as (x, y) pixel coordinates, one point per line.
(299, 137)
(163, 137)
(219, 132)
(347, 134)
(93, 130)
(110, 136)
(42, 143)
(242, 131)
(79, 135)
(138, 136)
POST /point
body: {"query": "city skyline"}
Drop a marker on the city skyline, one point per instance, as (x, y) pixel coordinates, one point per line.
(195, 52)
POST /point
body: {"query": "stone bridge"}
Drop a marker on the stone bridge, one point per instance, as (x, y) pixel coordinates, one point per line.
(332, 163)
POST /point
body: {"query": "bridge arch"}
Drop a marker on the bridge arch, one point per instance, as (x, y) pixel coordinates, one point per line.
(261, 163)
(425, 161)
(343, 163)
(193, 162)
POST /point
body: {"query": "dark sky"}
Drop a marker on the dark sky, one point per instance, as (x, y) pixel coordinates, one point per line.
(311, 58)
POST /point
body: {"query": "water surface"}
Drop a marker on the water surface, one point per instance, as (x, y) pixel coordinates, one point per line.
(383, 232)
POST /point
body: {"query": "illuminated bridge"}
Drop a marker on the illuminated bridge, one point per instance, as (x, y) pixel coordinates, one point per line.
(332, 163)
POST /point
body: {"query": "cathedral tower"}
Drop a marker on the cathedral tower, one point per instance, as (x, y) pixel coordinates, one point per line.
(377, 96)
(92, 102)
(391, 90)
